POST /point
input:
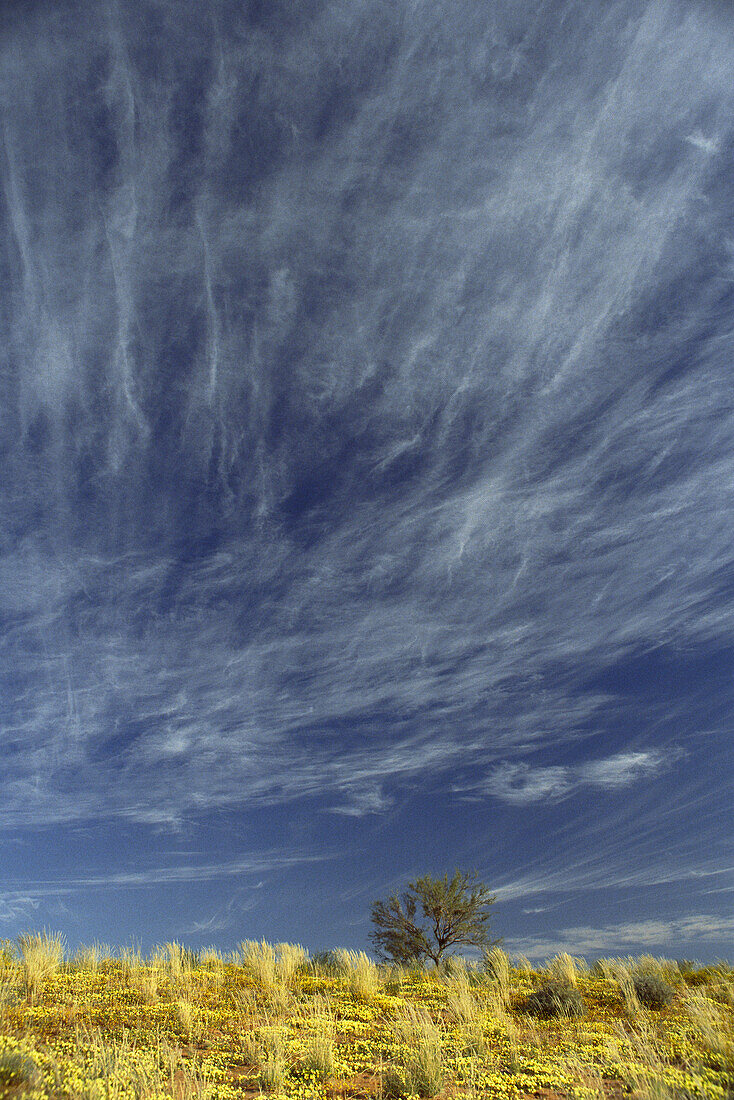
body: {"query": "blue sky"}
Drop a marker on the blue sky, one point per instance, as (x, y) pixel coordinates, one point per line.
(367, 448)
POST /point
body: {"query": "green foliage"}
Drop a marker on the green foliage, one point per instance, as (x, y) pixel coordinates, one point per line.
(431, 917)
(324, 962)
(554, 998)
(17, 1068)
(687, 968)
(652, 990)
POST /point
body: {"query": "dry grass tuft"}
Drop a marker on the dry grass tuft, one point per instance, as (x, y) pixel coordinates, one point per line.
(564, 968)
(361, 973)
(419, 1070)
(495, 966)
(41, 956)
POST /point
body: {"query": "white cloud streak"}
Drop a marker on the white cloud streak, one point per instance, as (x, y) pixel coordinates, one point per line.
(435, 318)
(521, 783)
(696, 929)
(154, 877)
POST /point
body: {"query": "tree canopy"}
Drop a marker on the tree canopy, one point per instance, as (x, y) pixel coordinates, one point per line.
(431, 917)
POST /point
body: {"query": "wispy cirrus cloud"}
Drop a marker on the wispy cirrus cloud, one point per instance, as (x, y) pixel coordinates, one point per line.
(359, 424)
(697, 929)
(522, 783)
(16, 908)
(226, 916)
(153, 877)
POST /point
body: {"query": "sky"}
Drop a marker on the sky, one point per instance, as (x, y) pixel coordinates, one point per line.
(367, 468)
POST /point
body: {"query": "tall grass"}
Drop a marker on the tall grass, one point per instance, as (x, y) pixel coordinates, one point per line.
(452, 1031)
(319, 1056)
(710, 1023)
(186, 1017)
(667, 970)
(646, 1071)
(563, 968)
(621, 972)
(495, 966)
(419, 1070)
(146, 979)
(318, 1046)
(271, 965)
(89, 957)
(361, 974)
(210, 956)
(465, 1012)
(271, 1056)
(176, 962)
(453, 969)
(8, 952)
(8, 988)
(129, 960)
(259, 962)
(291, 959)
(41, 956)
(523, 964)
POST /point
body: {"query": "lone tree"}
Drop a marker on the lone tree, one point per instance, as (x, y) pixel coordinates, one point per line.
(431, 916)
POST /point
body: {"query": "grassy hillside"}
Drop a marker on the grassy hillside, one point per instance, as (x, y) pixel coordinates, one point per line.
(269, 1020)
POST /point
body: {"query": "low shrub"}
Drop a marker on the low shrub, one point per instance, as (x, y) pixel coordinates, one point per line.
(324, 963)
(554, 998)
(652, 990)
(17, 1068)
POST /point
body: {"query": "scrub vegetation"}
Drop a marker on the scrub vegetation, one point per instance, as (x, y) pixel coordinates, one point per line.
(266, 1019)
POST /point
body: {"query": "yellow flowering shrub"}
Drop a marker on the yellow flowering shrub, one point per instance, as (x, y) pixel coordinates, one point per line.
(214, 1028)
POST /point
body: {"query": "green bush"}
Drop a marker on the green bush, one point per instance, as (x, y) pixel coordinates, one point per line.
(394, 1084)
(17, 1068)
(554, 998)
(687, 968)
(652, 990)
(324, 962)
